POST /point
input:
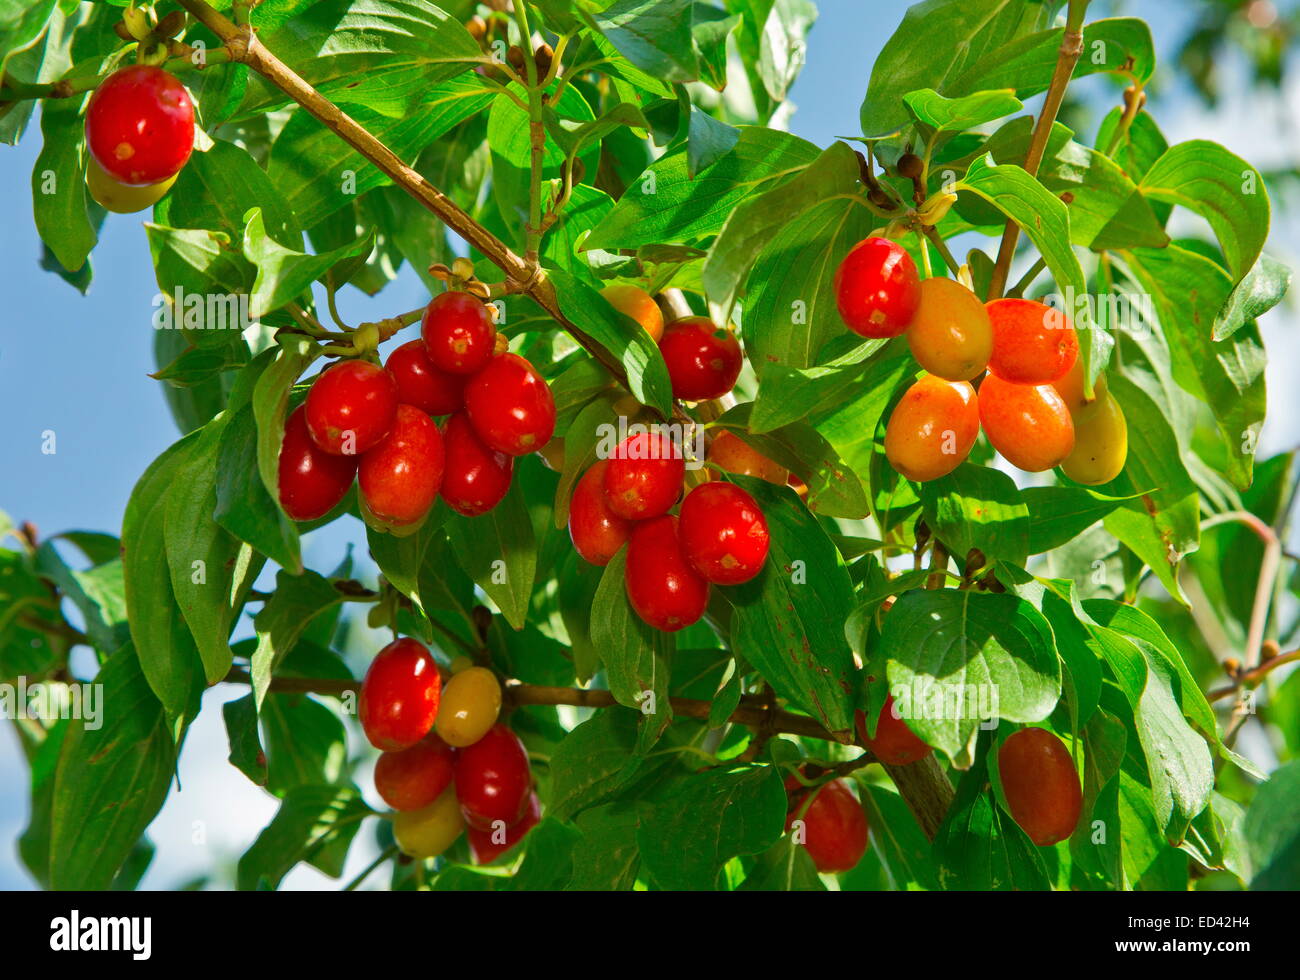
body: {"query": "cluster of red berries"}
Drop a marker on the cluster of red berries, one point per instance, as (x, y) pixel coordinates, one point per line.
(377, 424)
(719, 537)
(140, 132)
(448, 766)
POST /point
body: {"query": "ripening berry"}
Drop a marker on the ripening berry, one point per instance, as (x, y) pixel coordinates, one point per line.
(429, 832)
(510, 406)
(351, 407)
(471, 702)
(733, 454)
(401, 476)
(932, 428)
(122, 198)
(596, 531)
(723, 533)
(458, 333)
(1070, 388)
(413, 778)
(1040, 784)
(1033, 344)
(486, 846)
(703, 360)
(895, 744)
(421, 384)
(1028, 424)
(493, 779)
(1100, 444)
(635, 302)
(951, 336)
(400, 695)
(661, 585)
(834, 829)
(312, 481)
(475, 478)
(644, 476)
(140, 125)
(877, 288)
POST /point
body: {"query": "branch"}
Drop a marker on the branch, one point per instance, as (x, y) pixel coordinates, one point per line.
(1066, 60)
(245, 48)
(1252, 678)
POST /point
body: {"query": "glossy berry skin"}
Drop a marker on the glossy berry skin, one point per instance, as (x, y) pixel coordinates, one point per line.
(312, 481)
(122, 198)
(877, 288)
(895, 744)
(644, 476)
(476, 478)
(723, 533)
(951, 336)
(458, 333)
(140, 125)
(1100, 444)
(413, 778)
(400, 477)
(351, 407)
(471, 702)
(421, 384)
(596, 531)
(1070, 388)
(703, 360)
(510, 406)
(1029, 425)
(932, 428)
(1040, 785)
(486, 846)
(734, 455)
(400, 695)
(834, 826)
(635, 302)
(1033, 344)
(493, 780)
(661, 585)
(428, 832)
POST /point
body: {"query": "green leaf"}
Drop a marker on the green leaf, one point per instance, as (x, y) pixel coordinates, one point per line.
(781, 617)
(666, 205)
(1272, 835)
(957, 115)
(752, 224)
(246, 753)
(898, 839)
(608, 858)
(978, 507)
(59, 196)
(271, 401)
(1060, 514)
(1262, 288)
(596, 762)
(243, 506)
(283, 274)
(708, 141)
(969, 644)
(655, 35)
(313, 823)
(111, 780)
(296, 601)
(783, 867)
(306, 744)
(499, 552)
(1223, 189)
(195, 261)
(710, 818)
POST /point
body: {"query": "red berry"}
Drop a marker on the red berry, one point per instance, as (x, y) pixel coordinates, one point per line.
(421, 384)
(493, 781)
(597, 532)
(724, 534)
(644, 476)
(487, 845)
(413, 778)
(312, 481)
(401, 476)
(458, 333)
(351, 407)
(140, 125)
(703, 360)
(1040, 784)
(661, 585)
(510, 406)
(834, 826)
(476, 477)
(877, 288)
(400, 695)
(1033, 344)
(895, 744)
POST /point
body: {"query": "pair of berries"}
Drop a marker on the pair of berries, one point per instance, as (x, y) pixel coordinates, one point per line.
(447, 763)
(719, 537)
(376, 423)
(140, 132)
(703, 360)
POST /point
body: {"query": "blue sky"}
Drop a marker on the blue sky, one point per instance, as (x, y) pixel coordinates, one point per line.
(77, 366)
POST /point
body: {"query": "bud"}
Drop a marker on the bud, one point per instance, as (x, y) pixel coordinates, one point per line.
(477, 27)
(120, 30)
(515, 57)
(462, 268)
(366, 338)
(936, 208)
(171, 25)
(482, 617)
(543, 56)
(136, 22)
(911, 166)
